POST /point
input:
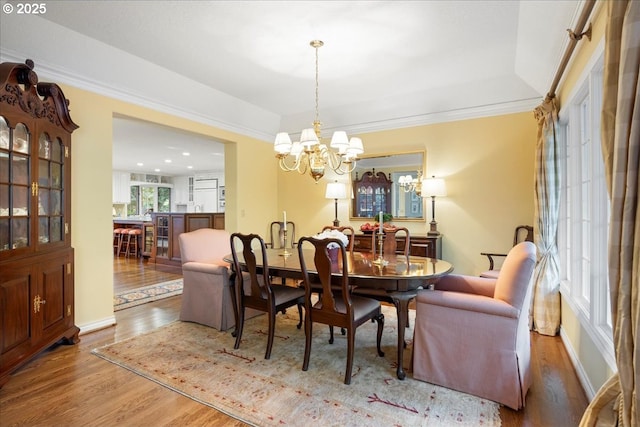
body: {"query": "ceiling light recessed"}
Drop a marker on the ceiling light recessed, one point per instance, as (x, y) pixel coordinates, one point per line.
(140, 164)
(167, 161)
(186, 153)
(156, 170)
(189, 167)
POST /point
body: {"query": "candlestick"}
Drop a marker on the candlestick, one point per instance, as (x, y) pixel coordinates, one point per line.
(284, 214)
(285, 253)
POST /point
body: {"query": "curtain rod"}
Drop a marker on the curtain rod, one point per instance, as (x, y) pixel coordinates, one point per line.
(574, 38)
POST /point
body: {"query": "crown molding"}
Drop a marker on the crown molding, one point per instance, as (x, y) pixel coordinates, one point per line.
(48, 71)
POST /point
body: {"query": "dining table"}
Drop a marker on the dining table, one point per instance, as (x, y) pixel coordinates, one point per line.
(396, 276)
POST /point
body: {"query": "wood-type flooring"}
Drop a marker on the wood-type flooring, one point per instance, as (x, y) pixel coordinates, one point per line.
(68, 386)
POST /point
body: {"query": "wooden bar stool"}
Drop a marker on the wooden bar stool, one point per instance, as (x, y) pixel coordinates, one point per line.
(124, 241)
(132, 242)
(117, 240)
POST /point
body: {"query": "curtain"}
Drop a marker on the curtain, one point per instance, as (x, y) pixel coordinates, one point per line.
(546, 277)
(616, 403)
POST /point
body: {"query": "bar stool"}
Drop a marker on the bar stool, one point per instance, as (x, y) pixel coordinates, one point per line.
(132, 242)
(117, 240)
(124, 241)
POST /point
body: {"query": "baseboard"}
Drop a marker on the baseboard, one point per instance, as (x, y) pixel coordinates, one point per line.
(582, 375)
(100, 324)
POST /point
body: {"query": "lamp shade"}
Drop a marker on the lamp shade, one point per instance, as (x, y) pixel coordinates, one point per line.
(433, 187)
(336, 190)
(282, 143)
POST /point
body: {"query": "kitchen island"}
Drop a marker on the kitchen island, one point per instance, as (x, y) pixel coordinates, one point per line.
(159, 238)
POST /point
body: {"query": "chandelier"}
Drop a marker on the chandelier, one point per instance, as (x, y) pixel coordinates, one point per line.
(409, 183)
(310, 153)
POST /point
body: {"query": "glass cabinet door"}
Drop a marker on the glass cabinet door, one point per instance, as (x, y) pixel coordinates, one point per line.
(15, 186)
(50, 190)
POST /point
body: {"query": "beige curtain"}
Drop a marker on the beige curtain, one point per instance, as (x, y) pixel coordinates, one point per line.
(546, 291)
(616, 403)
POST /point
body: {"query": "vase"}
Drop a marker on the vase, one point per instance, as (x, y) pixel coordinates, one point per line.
(333, 254)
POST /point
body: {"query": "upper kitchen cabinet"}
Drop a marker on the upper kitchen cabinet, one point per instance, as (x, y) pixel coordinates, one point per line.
(121, 187)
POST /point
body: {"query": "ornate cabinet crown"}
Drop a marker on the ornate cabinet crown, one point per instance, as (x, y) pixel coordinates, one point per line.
(36, 257)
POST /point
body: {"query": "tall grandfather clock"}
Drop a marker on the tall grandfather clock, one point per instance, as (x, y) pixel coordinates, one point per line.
(36, 257)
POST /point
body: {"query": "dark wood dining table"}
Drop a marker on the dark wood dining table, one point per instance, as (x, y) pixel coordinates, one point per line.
(400, 278)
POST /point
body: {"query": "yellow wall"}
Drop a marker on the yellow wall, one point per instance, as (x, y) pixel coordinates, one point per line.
(91, 192)
(488, 167)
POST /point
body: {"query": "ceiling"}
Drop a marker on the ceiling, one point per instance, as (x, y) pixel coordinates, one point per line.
(247, 66)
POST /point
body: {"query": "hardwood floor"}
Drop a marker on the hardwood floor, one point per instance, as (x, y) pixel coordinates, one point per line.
(67, 385)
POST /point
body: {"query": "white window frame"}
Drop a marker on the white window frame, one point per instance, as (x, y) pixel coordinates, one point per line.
(584, 211)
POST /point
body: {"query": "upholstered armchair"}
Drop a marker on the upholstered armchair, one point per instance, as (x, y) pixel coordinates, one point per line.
(472, 334)
(206, 294)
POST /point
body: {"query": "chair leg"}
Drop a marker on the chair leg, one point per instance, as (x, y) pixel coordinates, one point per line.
(330, 334)
(299, 316)
(239, 328)
(380, 319)
(271, 333)
(307, 341)
(351, 338)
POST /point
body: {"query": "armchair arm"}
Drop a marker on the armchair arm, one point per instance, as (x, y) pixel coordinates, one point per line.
(208, 268)
(467, 302)
(490, 256)
(467, 284)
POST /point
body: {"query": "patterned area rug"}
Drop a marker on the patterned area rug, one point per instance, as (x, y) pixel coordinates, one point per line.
(147, 294)
(200, 363)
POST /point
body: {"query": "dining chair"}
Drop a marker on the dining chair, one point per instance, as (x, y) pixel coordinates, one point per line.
(390, 242)
(276, 235)
(522, 233)
(264, 296)
(335, 308)
(346, 230)
(389, 246)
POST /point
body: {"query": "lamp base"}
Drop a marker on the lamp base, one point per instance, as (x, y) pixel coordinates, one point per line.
(433, 231)
(336, 222)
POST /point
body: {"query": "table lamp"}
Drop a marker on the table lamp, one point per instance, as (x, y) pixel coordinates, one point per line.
(336, 190)
(433, 187)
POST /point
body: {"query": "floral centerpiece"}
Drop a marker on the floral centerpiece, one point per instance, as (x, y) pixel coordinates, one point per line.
(333, 234)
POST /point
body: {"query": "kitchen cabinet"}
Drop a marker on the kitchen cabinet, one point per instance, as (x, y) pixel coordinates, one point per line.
(419, 244)
(36, 258)
(121, 187)
(168, 226)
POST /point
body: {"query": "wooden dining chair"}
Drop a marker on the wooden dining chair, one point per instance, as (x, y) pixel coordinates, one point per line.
(276, 235)
(390, 242)
(347, 231)
(264, 296)
(333, 308)
(389, 247)
(522, 233)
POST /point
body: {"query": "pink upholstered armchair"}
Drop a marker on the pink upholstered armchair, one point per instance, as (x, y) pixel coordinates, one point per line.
(472, 333)
(206, 295)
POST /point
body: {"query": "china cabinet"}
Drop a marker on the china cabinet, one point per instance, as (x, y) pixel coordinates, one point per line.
(36, 257)
(371, 194)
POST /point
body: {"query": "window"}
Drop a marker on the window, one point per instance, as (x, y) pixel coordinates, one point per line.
(146, 198)
(584, 212)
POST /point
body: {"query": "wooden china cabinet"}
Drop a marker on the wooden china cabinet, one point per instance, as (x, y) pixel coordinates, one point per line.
(36, 257)
(371, 194)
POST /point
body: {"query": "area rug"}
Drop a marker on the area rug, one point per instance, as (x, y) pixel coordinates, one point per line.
(147, 294)
(200, 363)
